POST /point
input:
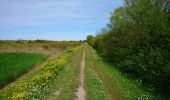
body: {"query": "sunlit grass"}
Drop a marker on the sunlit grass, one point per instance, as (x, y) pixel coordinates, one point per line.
(39, 85)
(118, 85)
(95, 88)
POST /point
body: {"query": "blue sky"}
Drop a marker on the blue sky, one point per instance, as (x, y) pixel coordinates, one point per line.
(53, 19)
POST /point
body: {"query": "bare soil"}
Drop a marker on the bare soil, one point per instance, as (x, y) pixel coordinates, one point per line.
(81, 94)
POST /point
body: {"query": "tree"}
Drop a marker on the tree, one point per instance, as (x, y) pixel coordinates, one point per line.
(89, 39)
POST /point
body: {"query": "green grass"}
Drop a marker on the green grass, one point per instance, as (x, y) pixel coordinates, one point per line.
(13, 65)
(68, 81)
(94, 86)
(58, 74)
(117, 85)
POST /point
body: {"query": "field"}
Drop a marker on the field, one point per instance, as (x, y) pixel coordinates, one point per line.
(49, 48)
(47, 52)
(61, 77)
(41, 83)
(20, 57)
(13, 65)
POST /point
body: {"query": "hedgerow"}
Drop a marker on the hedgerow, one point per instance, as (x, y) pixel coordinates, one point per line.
(137, 41)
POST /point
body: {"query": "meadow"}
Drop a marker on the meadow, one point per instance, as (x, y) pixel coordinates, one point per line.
(20, 57)
(49, 48)
(59, 78)
(40, 84)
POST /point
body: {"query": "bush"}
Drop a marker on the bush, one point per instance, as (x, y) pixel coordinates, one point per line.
(137, 40)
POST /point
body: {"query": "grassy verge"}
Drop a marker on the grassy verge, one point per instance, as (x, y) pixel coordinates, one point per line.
(39, 85)
(13, 65)
(69, 79)
(118, 86)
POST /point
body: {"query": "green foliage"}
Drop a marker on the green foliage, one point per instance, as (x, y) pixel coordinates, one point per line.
(89, 39)
(137, 40)
(13, 65)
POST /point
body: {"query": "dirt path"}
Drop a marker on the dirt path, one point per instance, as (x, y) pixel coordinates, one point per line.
(81, 91)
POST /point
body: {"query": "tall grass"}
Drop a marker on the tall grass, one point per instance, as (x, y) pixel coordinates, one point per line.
(13, 65)
(49, 48)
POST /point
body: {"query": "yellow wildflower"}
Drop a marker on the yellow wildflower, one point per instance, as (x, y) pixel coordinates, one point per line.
(18, 96)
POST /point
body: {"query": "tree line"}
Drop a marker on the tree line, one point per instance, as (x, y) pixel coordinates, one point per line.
(137, 41)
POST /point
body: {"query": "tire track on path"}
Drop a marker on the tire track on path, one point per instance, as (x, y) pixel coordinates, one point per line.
(81, 94)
